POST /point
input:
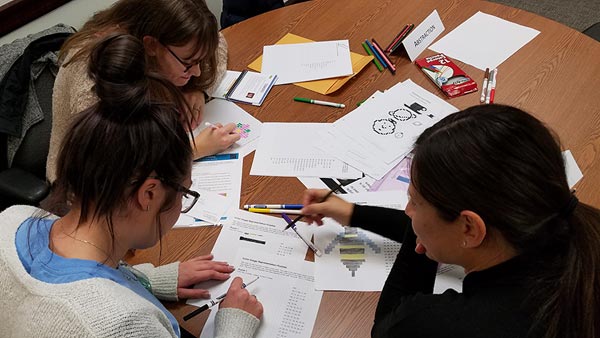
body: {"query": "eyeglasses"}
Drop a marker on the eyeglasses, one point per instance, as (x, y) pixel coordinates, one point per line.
(185, 64)
(188, 198)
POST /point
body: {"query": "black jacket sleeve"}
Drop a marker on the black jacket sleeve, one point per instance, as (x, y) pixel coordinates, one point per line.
(390, 223)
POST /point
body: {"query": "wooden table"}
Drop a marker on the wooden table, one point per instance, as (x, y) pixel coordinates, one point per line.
(555, 77)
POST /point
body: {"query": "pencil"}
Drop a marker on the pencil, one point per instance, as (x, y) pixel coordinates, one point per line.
(398, 37)
(399, 42)
(389, 63)
(377, 55)
(322, 200)
(375, 61)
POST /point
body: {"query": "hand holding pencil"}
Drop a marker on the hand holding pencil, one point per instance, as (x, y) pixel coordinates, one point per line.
(238, 297)
(315, 208)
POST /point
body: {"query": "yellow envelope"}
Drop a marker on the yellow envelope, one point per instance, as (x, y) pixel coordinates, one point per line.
(326, 86)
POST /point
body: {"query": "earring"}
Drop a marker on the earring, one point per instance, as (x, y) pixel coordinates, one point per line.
(148, 207)
(464, 243)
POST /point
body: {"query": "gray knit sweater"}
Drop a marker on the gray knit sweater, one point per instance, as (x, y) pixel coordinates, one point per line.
(94, 307)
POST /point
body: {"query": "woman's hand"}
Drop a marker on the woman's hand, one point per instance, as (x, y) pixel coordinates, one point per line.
(200, 269)
(240, 298)
(195, 101)
(215, 139)
(334, 207)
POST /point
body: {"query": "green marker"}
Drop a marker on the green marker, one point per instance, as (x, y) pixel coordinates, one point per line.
(323, 103)
(374, 58)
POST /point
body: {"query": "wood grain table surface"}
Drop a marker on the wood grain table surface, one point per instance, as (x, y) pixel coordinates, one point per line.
(555, 77)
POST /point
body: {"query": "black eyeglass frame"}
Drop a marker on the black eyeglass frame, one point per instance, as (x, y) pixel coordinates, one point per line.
(187, 66)
(180, 188)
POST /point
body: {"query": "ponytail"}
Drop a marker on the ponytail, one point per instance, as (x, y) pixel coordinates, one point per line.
(571, 296)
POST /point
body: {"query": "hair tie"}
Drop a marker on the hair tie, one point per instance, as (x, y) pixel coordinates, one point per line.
(567, 210)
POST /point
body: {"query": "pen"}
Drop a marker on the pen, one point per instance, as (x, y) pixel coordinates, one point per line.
(275, 211)
(323, 200)
(323, 103)
(384, 57)
(493, 90)
(274, 206)
(375, 53)
(213, 302)
(484, 86)
(375, 61)
(208, 124)
(307, 242)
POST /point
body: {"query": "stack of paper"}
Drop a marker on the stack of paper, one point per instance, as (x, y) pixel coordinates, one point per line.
(326, 86)
(376, 136)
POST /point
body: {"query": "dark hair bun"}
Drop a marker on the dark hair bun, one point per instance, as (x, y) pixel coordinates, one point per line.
(118, 68)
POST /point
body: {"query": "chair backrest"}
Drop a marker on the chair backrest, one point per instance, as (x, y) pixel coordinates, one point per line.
(33, 150)
(593, 31)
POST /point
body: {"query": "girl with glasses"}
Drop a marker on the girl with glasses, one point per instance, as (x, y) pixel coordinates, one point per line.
(181, 42)
(488, 192)
(125, 169)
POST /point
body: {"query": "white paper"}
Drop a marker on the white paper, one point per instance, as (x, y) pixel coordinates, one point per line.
(484, 41)
(260, 232)
(284, 150)
(224, 112)
(355, 259)
(227, 81)
(448, 277)
(307, 61)
(209, 207)
(220, 174)
(423, 35)
(376, 136)
(286, 290)
(574, 174)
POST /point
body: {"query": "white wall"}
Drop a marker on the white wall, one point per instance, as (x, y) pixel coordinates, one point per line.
(76, 13)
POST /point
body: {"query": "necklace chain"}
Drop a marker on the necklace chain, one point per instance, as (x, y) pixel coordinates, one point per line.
(92, 244)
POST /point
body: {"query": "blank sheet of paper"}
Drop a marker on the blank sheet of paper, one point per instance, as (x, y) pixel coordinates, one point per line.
(484, 41)
(307, 61)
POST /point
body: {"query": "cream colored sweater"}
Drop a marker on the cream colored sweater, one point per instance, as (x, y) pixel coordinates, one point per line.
(94, 307)
(73, 93)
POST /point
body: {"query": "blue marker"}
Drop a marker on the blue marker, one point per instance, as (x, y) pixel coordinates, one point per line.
(218, 157)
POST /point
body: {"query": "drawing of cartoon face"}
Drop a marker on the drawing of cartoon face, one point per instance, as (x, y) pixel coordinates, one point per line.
(384, 126)
(402, 114)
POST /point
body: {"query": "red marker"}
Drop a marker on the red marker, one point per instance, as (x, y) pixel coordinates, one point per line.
(493, 90)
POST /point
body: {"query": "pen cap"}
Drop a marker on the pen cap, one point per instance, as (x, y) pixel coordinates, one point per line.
(301, 99)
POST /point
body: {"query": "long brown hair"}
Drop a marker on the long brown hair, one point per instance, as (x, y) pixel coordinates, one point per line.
(131, 133)
(505, 165)
(172, 22)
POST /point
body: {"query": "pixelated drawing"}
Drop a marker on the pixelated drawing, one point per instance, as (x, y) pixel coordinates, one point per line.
(384, 126)
(402, 114)
(352, 243)
(242, 129)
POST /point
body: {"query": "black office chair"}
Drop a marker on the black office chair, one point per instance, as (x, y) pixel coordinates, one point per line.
(593, 31)
(24, 181)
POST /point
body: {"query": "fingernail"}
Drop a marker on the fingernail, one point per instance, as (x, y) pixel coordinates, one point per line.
(232, 267)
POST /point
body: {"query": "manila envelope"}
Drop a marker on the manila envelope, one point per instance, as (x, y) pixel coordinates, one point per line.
(326, 86)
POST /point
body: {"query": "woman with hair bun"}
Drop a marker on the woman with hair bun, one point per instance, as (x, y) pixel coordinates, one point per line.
(125, 169)
(488, 192)
(181, 42)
